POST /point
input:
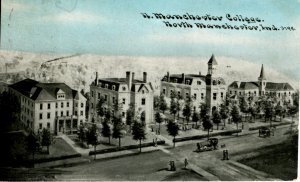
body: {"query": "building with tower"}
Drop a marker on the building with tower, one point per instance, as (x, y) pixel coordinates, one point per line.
(283, 92)
(124, 92)
(209, 88)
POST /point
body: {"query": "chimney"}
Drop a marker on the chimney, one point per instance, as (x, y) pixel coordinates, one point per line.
(200, 73)
(145, 77)
(183, 78)
(132, 77)
(168, 77)
(96, 80)
(128, 79)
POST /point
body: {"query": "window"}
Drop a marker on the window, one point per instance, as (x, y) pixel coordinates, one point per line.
(123, 114)
(143, 91)
(222, 95)
(62, 105)
(49, 105)
(40, 126)
(214, 96)
(164, 91)
(41, 115)
(68, 104)
(56, 105)
(123, 101)
(187, 82)
(48, 125)
(67, 113)
(113, 87)
(48, 115)
(76, 113)
(81, 105)
(61, 113)
(186, 95)
(105, 97)
(214, 82)
(195, 96)
(76, 105)
(41, 106)
(124, 88)
(55, 113)
(289, 93)
(143, 101)
(99, 95)
(202, 96)
(113, 99)
(106, 85)
(81, 113)
(254, 93)
(178, 93)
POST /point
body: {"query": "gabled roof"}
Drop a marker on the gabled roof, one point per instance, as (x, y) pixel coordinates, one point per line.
(278, 86)
(187, 77)
(212, 60)
(43, 91)
(244, 85)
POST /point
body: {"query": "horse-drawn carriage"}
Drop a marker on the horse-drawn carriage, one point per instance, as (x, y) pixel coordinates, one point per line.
(211, 144)
(266, 131)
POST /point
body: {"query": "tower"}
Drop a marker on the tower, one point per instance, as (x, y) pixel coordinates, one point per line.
(262, 81)
(212, 85)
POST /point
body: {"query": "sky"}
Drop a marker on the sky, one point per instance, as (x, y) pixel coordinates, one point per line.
(117, 27)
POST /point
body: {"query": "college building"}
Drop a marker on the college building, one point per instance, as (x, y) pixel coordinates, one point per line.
(54, 106)
(284, 92)
(209, 88)
(124, 92)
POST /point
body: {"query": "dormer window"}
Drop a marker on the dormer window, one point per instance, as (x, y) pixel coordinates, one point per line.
(175, 80)
(187, 82)
(60, 95)
(113, 87)
(198, 82)
(106, 85)
(124, 88)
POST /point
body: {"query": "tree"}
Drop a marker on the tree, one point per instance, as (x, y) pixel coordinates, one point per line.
(82, 133)
(162, 104)
(130, 113)
(235, 115)
(138, 133)
(207, 124)
(187, 111)
(195, 117)
(292, 110)
(46, 138)
(224, 112)
(118, 129)
(173, 107)
(159, 120)
(143, 118)
(10, 112)
(92, 137)
(156, 102)
(279, 111)
(100, 107)
(269, 112)
(216, 118)
(244, 105)
(32, 145)
(204, 110)
(173, 129)
(106, 130)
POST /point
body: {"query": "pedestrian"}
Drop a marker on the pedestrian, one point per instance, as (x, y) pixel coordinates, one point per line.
(185, 162)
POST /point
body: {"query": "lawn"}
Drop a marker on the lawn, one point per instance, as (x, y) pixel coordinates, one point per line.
(280, 162)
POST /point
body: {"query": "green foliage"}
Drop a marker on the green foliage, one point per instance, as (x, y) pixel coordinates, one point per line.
(130, 115)
(9, 112)
(216, 118)
(224, 111)
(100, 106)
(204, 110)
(173, 129)
(92, 135)
(162, 104)
(187, 110)
(173, 106)
(206, 122)
(82, 131)
(138, 131)
(47, 138)
(118, 127)
(195, 117)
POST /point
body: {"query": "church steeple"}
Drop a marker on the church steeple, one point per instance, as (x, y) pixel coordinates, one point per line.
(262, 81)
(262, 73)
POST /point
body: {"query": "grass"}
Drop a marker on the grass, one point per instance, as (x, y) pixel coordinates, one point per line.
(281, 162)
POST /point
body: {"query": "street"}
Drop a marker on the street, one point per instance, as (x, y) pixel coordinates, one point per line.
(153, 165)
